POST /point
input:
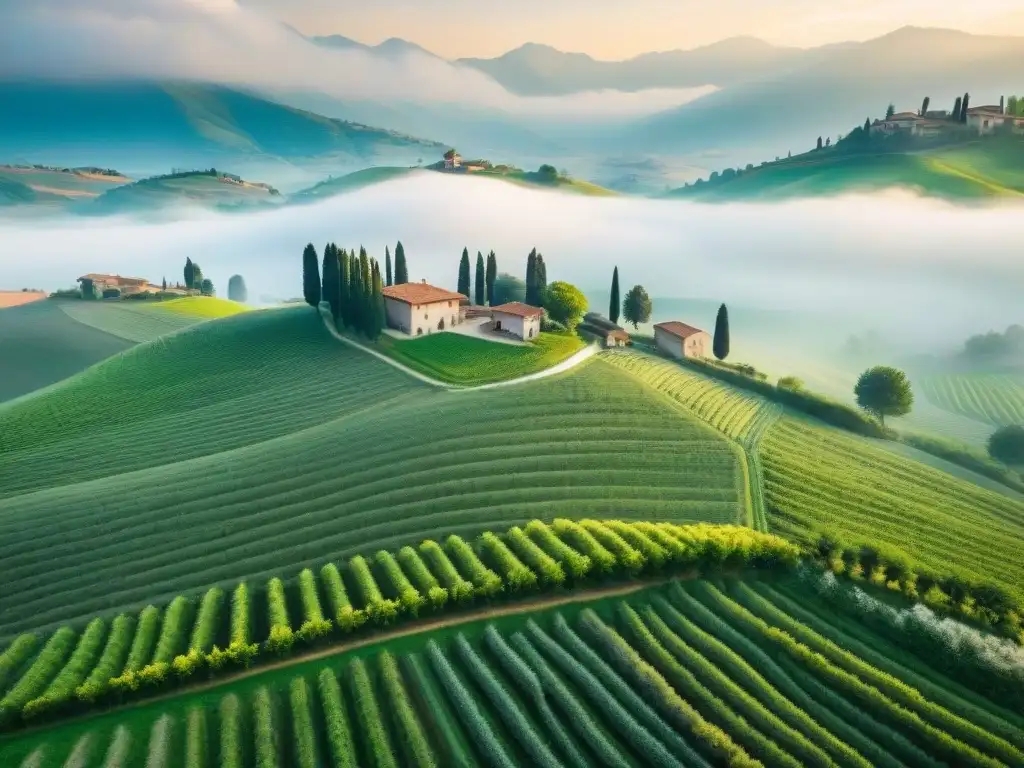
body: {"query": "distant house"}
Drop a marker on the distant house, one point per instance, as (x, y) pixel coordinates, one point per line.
(518, 319)
(420, 308)
(126, 285)
(452, 160)
(986, 120)
(598, 325)
(911, 123)
(682, 340)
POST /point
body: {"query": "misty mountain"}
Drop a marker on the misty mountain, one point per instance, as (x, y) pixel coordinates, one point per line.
(153, 126)
(540, 70)
(773, 113)
(392, 47)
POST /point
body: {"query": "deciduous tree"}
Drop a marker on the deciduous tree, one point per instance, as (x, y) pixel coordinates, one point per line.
(480, 282)
(311, 285)
(206, 287)
(615, 303)
(565, 303)
(236, 289)
(884, 391)
(636, 308)
(1007, 445)
(464, 273)
(720, 343)
(401, 268)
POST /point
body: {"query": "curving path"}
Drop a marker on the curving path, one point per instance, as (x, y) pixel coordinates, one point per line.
(565, 365)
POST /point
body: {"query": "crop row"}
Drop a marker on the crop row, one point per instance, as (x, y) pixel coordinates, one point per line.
(692, 673)
(995, 399)
(187, 638)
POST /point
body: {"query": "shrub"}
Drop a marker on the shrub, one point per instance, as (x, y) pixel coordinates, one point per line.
(173, 632)
(368, 714)
(516, 575)
(281, 637)
(625, 555)
(111, 661)
(379, 610)
(545, 566)
(446, 572)
(345, 616)
(146, 633)
(205, 630)
(71, 675)
(485, 581)
(583, 541)
(336, 723)
(424, 581)
(409, 597)
(790, 382)
(314, 624)
(16, 654)
(49, 661)
(578, 565)
(655, 555)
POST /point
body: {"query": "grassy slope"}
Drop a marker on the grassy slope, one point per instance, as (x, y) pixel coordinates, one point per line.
(146, 320)
(822, 478)
(349, 183)
(979, 170)
(405, 462)
(995, 398)
(459, 359)
(720, 660)
(68, 184)
(40, 345)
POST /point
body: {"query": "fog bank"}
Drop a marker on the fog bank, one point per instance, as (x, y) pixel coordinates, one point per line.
(898, 264)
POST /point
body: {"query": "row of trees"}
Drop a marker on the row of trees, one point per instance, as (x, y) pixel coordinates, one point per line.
(484, 278)
(351, 284)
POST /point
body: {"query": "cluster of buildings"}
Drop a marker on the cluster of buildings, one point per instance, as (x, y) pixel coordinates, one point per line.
(126, 285)
(980, 120)
(420, 309)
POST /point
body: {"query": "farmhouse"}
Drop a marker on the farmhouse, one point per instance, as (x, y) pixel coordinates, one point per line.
(682, 340)
(420, 308)
(989, 119)
(518, 319)
(616, 338)
(601, 327)
(126, 285)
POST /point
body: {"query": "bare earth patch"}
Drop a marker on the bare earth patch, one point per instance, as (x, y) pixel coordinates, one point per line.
(64, 192)
(17, 298)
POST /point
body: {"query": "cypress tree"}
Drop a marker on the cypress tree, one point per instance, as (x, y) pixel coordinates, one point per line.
(956, 108)
(541, 280)
(720, 345)
(345, 288)
(481, 280)
(358, 317)
(310, 275)
(615, 304)
(190, 273)
(331, 285)
(964, 106)
(401, 269)
(491, 276)
(464, 273)
(531, 278)
(377, 302)
(387, 265)
(366, 284)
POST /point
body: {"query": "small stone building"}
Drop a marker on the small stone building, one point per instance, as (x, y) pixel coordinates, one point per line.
(419, 309)
(517, 319)
(682, 340)
(616, 338)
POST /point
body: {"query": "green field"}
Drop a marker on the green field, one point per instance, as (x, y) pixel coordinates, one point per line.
(146, 320)
(694, 673)
(176, 466)
(990, 168)
(41, 345)
(822, 479)
(994, 398)
(468, 361)
(350, 182)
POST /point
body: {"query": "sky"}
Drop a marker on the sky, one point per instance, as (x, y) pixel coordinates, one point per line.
(616, 29)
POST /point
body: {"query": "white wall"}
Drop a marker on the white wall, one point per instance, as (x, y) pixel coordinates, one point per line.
(518, 326)
(422, 319)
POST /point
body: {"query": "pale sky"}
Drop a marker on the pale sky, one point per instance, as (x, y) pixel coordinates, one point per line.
(616, 29)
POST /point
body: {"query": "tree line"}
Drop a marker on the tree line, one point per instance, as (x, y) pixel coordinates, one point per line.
(351, 284)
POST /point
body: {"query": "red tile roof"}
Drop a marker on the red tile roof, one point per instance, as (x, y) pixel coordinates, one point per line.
(420, 293)
(113, 278)
(618, 334)
(682, 330)
(519, 309)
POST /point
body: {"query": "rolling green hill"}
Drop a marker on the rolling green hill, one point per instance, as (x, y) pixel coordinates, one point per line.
(992, 398)
(192, 124)
(980, 170)
(205, 189)
(47, 341)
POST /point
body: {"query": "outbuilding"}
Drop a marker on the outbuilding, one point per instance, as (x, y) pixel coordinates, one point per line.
(682, 340)
(517, 319)
(420, 308)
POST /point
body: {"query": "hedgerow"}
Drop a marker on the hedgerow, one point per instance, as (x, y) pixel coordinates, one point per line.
(583, 540)
(230, 718)
(509, 568)
(111, 662)
(158, 752)
(71, 675)
(264, 733)
(381, 611)
(204, 631)
(314, 624)
(415, 747)
(368, 715)
(15, 655)
(336, 722)
(485, 581)
(408, 596)
(447, 574)
(422, 579)
(303, 733)
(346, 617)
(195, 738)
(281, 636)
(47, 664)
(577, 565)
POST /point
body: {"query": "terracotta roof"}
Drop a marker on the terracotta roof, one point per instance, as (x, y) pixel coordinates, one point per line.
(618, 334)
(985, 108)
(682, 330)
(420, 293)
(904, 116)
(95, 276)
(519, 309)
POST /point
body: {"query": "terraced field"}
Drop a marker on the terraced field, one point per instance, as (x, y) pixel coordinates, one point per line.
(144, 321)
(693, 674)
(995, 398)
(822, 479)
(257, 442)
(40, 345)
(458, 359)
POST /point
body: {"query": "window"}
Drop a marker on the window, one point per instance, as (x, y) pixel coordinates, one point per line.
(419, 331)
(449, 305)
(425, 316)
(531, 333)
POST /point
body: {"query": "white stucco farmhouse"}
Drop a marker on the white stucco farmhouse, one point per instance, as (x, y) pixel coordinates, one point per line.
(420, 308)
(517, 319)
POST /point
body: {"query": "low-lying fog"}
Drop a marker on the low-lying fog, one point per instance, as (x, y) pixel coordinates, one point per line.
(925, 273)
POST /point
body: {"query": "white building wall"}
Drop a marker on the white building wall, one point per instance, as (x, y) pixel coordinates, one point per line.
(422, 319)
(522, 327)
(668, 343)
